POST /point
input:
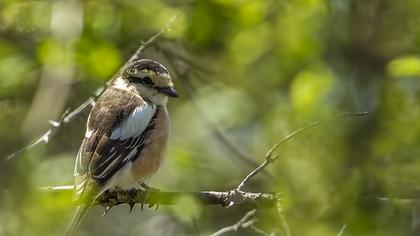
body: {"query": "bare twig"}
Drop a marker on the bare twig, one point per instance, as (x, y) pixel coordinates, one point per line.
(262, 232)
(284, 223)
(58, 188)
(144, 44)
(55, 125)
(400, 200)
(68, 116)
(269, 158)
(285, 139)
(342, 230)
(115, 197)
(248, 220)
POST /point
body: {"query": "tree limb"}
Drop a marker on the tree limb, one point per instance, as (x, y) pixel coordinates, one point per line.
(116, 197)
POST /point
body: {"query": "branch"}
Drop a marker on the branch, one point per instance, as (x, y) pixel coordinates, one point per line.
(67, 116)
(116, 197)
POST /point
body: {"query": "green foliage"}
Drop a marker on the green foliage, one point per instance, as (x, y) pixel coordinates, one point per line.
(269, 67)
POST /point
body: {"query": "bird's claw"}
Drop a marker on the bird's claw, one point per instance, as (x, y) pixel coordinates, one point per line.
(132, 197)
(131, 204)
(107, 208)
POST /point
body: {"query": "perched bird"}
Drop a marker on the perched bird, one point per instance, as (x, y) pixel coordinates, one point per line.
(126, 136)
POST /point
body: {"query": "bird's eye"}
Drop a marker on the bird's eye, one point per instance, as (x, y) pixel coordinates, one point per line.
(147, 81)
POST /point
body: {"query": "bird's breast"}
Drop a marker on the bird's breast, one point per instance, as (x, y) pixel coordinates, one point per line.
(152, 156)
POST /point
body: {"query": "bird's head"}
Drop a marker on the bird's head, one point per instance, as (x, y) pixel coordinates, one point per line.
(150, 79)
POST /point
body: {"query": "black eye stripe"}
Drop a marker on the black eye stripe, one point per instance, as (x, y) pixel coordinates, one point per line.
(147, 80)
(132, 79)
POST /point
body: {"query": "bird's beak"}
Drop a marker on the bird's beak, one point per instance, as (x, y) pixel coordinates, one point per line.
(170, 91)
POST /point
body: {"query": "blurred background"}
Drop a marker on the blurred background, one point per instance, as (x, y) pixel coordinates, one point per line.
(249, 72)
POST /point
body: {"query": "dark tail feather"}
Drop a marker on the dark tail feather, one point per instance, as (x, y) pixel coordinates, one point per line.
(77, 218)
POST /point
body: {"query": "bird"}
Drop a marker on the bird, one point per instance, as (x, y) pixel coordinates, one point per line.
(127, 132)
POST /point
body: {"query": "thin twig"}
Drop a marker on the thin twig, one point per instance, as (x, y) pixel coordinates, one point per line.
(284, 223)
(285, 139)
(55, 125)
(257, 170)
(58, 188)
(269, 156)
(342, 230)
(179, 56)
(68, 116)
(261, 232)
(244, 222)
(144, 44)
(400, 200)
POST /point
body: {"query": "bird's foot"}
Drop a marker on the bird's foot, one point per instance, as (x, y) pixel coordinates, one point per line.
(107, 208)
(110, 201)
(132, 196)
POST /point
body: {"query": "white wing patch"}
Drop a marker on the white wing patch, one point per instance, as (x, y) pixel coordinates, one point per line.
(89, 133)
(136, 122)
(78, 163)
